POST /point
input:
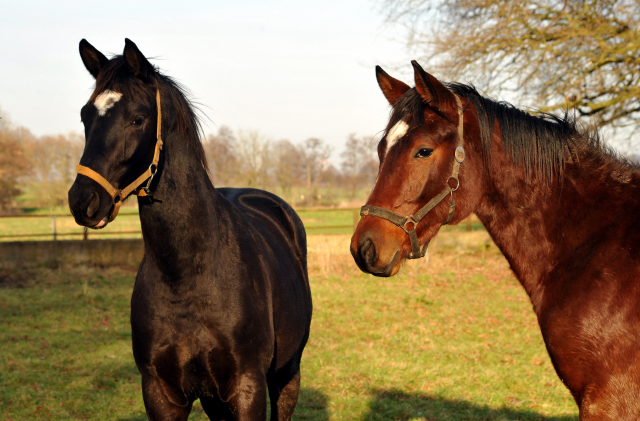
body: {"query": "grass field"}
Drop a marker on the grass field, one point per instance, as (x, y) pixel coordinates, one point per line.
(38, 224)
(456, 340)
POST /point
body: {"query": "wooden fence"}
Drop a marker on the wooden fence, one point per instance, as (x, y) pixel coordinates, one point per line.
(86, 234)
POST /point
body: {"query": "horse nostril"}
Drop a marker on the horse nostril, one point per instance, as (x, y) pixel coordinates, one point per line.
(368, 252)
(94, 204)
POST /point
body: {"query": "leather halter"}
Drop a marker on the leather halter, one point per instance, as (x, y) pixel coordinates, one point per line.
(409, 223)
(119, 195)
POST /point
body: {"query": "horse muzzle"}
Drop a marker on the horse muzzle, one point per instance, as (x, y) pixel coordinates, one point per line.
(369, 259)
(90, 207)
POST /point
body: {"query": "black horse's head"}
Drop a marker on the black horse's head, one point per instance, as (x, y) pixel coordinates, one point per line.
(120, 121)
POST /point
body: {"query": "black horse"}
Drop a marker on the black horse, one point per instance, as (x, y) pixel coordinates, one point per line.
(221, 305)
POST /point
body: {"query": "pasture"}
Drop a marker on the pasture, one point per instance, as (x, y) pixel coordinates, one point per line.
(456, 340)
(36, 224)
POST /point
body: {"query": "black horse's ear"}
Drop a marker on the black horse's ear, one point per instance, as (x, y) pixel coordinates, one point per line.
(432, 90)
(137, 62)
(93, 59)
(392, 88)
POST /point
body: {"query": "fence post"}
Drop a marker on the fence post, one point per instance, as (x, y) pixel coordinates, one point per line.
(355, 219)
(85, 233)
(53, 227)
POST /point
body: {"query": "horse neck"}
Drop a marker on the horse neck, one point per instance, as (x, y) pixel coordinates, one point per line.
(539, 225)
(180, 225)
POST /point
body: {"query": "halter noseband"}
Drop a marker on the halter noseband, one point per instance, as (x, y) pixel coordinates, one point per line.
(409, 223)
(118, 195)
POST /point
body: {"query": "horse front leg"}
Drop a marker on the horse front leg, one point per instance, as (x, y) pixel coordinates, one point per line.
(284, 387)
(162, 403)
(248, 397)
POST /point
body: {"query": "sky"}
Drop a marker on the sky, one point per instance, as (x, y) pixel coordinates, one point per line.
(288, 69)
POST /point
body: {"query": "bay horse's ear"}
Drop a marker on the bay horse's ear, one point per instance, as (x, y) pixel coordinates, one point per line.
(392, 88)
(137, 62)
(432, 90)
(93, 59)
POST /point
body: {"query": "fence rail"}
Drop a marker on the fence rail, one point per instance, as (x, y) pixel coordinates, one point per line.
(86, 234)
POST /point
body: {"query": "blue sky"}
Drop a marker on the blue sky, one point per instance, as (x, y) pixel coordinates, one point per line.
(289, 69)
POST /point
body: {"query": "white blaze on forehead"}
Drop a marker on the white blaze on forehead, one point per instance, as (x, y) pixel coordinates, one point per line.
(396, 133)
(106, 100)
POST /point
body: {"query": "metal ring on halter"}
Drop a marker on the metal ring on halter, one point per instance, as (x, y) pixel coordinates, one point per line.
(457, 181)
(407, 221)
(153, 168)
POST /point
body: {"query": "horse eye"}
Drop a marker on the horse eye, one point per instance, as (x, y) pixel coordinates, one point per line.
(424, 153)
(137, 121)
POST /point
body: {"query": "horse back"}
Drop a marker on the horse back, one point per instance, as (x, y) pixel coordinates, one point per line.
(271, 216)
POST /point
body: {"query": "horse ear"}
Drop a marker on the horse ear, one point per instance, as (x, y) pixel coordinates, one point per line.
(93, 59)
(432, 90)
(392, 88)
(137, 62)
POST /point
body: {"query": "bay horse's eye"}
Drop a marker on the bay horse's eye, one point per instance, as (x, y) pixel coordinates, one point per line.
(137, 121)
(424, 153)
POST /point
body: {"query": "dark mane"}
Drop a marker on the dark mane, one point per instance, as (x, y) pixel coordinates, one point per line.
(540, 143)
(117, 77)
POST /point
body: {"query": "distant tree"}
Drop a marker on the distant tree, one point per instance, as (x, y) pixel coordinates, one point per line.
(254, 159)
(221, 156)
(563, 54)
(54, 161)
(14, 162)
(359, 162)
(288, 166)
(315, 160)
(332, 178)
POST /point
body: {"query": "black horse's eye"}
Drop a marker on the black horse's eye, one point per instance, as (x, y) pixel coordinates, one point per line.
(137, 121)
(424, 153)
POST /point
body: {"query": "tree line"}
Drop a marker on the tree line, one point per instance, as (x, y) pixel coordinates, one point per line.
(38, 171)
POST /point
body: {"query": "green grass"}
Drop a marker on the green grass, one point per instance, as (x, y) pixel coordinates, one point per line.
(36, 224)
(456, 340)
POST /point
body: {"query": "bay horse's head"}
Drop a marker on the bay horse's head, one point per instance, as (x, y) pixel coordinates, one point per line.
(121, 131)
(426, 176)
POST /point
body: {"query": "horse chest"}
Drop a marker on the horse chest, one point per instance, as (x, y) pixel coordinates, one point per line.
(182, 339)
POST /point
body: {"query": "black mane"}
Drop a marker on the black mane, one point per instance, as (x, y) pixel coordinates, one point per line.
(540, 143)
(117, 77)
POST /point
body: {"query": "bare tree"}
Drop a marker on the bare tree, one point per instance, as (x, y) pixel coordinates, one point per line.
(359, 163)
(580, 54)
(221, 156)
(315, 160)
(288, 167)
(254, 159)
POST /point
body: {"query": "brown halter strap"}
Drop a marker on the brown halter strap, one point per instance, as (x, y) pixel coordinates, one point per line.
(410, 223)
(118, 195)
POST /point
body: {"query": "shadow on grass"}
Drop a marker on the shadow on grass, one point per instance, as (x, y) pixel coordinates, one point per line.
(397, 405)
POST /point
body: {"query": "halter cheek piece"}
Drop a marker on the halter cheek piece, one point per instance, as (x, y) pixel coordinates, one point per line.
(409, 223)
(118, 195)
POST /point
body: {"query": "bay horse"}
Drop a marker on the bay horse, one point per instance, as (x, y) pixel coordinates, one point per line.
(221, 305)
(560, 205)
